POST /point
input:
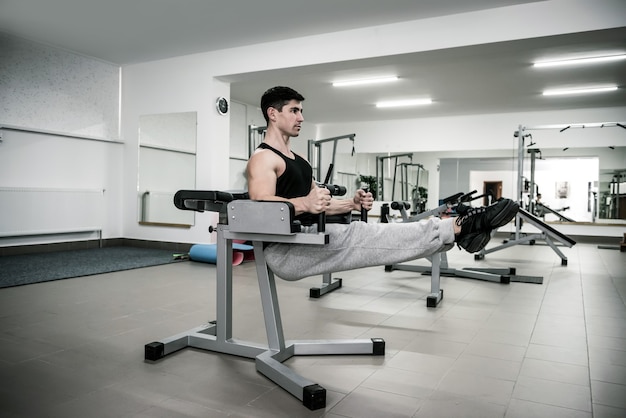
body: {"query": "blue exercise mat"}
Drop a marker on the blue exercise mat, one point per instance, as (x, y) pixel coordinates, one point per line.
(207, 253)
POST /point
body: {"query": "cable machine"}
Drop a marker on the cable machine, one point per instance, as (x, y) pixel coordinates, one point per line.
(315, 152)
(255, 137)
(380, 170)
(417, 196)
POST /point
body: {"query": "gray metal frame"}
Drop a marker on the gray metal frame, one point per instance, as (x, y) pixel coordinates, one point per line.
(547, 234)
(380, 173)
(439, 261)
(436, 292)
(315, 157)
(217, 336)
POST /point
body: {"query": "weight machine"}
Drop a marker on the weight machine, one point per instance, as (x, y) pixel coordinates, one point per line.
(259, 222)
(416, 196)
(315, 152)
(380, 176)
(439, 261)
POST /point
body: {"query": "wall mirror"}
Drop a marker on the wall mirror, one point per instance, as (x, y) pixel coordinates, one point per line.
(583, 185)
(167, 163)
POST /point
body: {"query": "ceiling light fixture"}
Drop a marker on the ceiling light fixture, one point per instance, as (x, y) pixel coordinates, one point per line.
(363, 81)
(401, 103)
(557, 92)
(579, 61)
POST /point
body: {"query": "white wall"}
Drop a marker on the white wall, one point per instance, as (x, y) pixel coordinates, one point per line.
(40, 161)
(43, 92)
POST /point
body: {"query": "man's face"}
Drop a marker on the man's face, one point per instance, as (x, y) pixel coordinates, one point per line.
(290, 119)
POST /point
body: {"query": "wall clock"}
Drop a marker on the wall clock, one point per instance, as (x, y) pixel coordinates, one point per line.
(221, 104)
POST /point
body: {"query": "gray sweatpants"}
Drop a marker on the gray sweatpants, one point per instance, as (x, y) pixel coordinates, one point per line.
(360, 244)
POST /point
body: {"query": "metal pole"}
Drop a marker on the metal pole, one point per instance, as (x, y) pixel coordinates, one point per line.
(520, 177)
(318, 146)
(531, 195)
(336, 138)
(252, 131)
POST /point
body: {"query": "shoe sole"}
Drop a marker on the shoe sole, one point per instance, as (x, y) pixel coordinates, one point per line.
(505, 213)
(478, 242)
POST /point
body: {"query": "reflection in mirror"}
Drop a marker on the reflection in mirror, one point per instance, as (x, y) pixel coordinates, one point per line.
(584, 185)
(167, 163)
(553, 188)
(561, 185)
(612, 193)
(388, 177)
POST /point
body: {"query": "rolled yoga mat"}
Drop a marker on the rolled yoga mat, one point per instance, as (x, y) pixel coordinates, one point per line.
(207, 253)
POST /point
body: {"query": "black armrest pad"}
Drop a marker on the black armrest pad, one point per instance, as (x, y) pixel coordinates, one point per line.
(211, 197)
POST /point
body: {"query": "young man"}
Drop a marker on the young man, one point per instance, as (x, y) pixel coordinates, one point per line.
(275, 172)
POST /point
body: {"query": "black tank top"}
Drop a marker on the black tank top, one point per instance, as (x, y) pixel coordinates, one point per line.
(295, 181)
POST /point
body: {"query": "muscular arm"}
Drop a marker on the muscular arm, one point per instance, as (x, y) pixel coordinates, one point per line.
(360, 199)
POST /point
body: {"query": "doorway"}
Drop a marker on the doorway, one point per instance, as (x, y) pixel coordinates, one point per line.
(492, 191)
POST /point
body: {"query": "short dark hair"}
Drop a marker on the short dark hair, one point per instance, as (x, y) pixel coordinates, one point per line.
(277, 97)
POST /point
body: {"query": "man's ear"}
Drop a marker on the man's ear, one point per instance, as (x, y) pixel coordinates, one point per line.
(271, 113)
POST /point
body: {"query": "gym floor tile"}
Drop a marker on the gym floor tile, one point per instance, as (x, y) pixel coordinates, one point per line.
(75, 348)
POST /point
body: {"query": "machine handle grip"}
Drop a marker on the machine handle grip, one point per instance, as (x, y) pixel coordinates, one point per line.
(334, 189)
(363, 210)
(321, 222)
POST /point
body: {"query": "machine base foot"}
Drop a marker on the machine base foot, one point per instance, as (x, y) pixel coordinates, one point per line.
(314, 397)
(379, 347)
(317, 292)
(433, 301)
(154, 351)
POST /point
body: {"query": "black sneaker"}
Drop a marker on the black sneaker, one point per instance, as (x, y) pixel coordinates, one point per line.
(477, 223)
(473, 242)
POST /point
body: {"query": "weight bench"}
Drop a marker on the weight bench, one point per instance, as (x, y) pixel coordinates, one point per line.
(547, 234)
(260, 222)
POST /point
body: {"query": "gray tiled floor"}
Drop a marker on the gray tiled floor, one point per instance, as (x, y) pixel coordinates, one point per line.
(74, 348)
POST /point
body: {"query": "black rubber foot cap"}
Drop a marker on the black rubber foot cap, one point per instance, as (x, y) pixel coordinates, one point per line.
(379, 346)
(315, 292)
(314, 397)
(154, 351)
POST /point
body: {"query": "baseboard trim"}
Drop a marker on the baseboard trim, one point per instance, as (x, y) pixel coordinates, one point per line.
(177, 247)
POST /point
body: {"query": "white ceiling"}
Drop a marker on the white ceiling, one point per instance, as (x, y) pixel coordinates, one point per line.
(488, 78)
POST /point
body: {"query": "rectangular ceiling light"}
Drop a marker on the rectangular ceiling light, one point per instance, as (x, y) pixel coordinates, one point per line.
(557, 92)
(364, 81)
(579, 61)
(401, 103)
